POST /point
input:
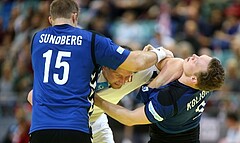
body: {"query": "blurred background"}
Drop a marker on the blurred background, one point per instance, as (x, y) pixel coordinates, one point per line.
(185, 27)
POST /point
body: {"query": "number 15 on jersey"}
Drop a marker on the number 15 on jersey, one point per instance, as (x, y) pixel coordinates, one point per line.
(58, 64)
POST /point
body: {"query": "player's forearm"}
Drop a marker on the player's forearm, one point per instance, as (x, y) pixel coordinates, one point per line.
(117, 112)
(170, 69)
(139, 60)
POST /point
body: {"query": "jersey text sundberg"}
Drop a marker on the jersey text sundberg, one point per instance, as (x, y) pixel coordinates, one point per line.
(62, 40)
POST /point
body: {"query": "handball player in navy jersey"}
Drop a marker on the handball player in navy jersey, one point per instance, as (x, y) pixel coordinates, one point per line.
(173, 110)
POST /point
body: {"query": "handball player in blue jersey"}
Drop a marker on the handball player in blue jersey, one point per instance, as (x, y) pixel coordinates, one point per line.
(173, 110)
(65, 61)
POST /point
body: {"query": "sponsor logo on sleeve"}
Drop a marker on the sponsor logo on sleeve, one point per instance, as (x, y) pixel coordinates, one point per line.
(120, 50)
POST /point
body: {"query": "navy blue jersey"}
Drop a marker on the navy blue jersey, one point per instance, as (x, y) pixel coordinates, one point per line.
(63, 76)
(175, 107)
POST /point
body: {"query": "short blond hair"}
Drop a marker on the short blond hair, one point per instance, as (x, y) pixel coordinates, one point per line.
(63, 8)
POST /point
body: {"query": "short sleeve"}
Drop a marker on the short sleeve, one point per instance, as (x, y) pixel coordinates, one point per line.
(108, 53)
(155, 111)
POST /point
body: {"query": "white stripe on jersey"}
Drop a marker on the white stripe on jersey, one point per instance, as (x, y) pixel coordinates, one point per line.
(154, 113)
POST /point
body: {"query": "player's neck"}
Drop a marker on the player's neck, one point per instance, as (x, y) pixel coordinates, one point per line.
(187, 81)
(61, 21)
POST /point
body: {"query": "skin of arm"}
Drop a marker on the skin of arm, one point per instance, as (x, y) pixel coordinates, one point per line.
(139, 60)
(138, 116)
(29, 97)
(170, 69)
(121, 114)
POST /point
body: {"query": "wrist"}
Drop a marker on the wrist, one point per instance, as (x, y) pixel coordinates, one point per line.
(160, 54)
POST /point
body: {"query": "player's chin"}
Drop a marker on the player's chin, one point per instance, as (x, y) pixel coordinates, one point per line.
(116, 86)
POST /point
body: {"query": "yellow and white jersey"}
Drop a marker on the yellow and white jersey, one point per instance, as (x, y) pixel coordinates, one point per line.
(115, 95)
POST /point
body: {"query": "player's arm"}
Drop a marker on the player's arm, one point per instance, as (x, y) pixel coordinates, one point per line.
(121, 114)
(140, 60)
(170, 69)
(29, 97)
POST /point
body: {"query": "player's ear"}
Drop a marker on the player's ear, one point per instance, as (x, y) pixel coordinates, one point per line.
(50, 20)
(74, 17)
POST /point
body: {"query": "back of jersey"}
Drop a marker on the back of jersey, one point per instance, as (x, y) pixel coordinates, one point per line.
(62, 64)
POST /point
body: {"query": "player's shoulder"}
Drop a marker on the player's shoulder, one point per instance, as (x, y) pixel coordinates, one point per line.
(170, 93)
(45, 30)
(93, 32)
(175, 61)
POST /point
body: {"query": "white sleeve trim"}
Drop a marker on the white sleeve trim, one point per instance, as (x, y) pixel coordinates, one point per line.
(153, 112)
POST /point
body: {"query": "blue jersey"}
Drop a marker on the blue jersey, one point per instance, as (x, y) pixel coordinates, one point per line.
(175, 107)
(64, 78)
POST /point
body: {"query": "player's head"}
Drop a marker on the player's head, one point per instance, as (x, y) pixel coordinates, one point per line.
(205, 72)
(117, 78)
(66, 9)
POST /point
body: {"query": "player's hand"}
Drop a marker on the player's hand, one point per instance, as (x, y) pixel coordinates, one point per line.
(148, 48)
(160, 51)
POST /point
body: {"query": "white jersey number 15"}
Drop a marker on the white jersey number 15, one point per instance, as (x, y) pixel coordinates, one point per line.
(58, 64)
